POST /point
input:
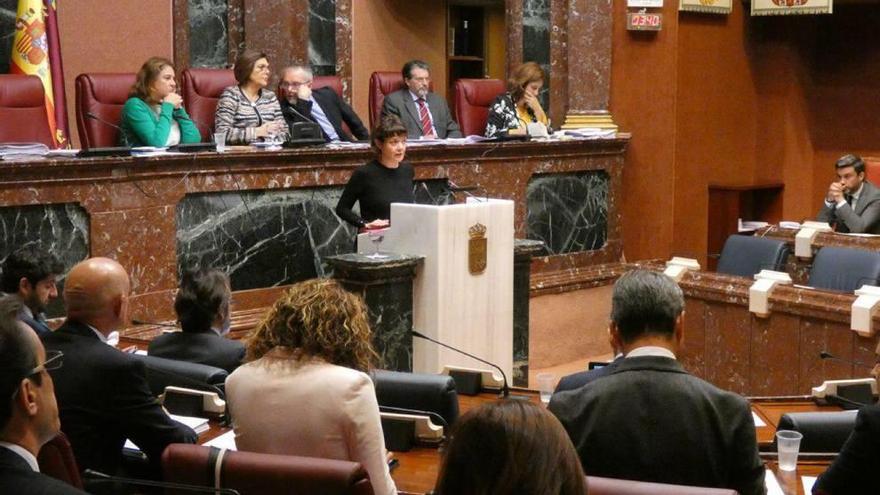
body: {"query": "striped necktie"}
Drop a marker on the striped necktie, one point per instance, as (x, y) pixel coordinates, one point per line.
(427, 129)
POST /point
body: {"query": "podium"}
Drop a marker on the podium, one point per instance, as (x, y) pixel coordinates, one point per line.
(463, 292)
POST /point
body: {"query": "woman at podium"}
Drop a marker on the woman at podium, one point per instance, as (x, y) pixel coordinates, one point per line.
(384, 180)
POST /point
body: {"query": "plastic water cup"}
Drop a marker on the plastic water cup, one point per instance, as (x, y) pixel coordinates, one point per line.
(220, 141)
(788, 444)
(546, 382)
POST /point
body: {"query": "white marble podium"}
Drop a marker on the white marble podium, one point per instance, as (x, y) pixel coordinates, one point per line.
(473, 312)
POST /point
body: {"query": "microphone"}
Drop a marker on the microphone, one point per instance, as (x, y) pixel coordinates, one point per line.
(418, 412)
(111, 124)
(505, 389)
(828, 355)
(453, 187)
(155, 323)
(290, 107)
(95, 477)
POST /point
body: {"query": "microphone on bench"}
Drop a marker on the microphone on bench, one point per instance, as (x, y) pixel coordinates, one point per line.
(125, 142)
(153, 323)
(828, 355)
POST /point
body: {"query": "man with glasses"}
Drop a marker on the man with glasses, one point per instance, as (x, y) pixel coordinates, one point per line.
(28, 411)
(29, 274)
(102, 392)
(422, 112)
(301, 103)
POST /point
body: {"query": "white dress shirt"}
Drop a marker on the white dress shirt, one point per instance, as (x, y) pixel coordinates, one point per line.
(651, 350)
(24, 453)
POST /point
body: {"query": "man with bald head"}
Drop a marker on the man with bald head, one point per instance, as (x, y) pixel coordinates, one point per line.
(102, 392)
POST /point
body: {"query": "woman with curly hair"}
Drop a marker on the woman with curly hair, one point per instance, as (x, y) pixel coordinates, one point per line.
(304, 390)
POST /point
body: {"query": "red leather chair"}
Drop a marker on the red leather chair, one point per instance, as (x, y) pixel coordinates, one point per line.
(872, 169)
(472, 100)
(56, 460)
(612, 486)
(332, 82)
(381, 84)
(253, 473)
(201, 90)
(23, 117)
(102, 95)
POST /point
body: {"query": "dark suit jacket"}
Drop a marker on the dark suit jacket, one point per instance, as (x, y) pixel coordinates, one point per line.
(202, 348)
(853, 470)
(336, 110)
(103, 398)
(578, 380)
(649, 420)
(864, 219)
(400, 103)
(17, 477)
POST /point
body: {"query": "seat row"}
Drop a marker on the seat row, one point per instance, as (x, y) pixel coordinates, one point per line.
(100, 97)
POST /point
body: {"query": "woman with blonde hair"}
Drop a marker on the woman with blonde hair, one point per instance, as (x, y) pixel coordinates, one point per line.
(304, 390)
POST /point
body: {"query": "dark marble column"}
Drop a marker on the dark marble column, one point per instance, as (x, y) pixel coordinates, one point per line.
(523, 251)
(387, 287)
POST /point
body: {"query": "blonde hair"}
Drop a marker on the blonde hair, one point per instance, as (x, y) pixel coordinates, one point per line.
(318, 318)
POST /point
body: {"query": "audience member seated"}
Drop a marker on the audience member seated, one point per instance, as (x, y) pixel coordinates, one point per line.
(154, 114)
(425, 114)
(250, 112)
(649, 420)
(578, 380)
(300, 103)
(852, 472)
(510, 447)
(513, 111)
(386, 179)
(28, 411)
(305, 390)
(102, 393)
(202, 306)
(852, 203)
(29, 275)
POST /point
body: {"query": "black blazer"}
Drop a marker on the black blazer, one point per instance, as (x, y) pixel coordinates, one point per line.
(649, 420)
(202, 348)
(103, 398)
(853, 470)
(578, 380)
(17, 477)
(336, 110)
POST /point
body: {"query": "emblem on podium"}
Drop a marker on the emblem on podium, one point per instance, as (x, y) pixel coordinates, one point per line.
(477, 249)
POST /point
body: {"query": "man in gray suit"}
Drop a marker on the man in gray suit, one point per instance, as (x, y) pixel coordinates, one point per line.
(422, 112)
(852, 202)
(648, 419)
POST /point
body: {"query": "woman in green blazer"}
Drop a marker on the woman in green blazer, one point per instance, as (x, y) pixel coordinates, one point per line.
(154, 114)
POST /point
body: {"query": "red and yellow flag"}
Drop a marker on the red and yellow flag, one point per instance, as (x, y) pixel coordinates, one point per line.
(36, 50)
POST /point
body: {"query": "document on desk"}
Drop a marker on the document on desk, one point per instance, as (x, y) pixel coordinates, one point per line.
(224, 441)
(199, 425)
(808, 482)
(758, 421)
(772, 483)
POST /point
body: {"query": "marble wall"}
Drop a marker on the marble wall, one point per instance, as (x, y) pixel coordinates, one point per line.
(62, 229)
(536, 39)
(569, 212)
(7, 31)
(322, 37)
(208, 37)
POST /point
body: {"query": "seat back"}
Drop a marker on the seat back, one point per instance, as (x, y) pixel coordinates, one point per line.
(872, 169)
(23, 117)
(201, 90)
(822, 431)
(381, 84)
(844, 269)
(417, 391)
(102, 95)
(163, 372)
(254, 473)
(610, 486)
(746, 255)
(332, 82)
(473, 97)
(56, 460)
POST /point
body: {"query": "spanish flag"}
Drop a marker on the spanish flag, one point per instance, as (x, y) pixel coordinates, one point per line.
(36, 51)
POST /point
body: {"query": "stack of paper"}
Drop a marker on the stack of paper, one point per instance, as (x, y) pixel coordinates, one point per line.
(588, 133)
(23, 151)
(199, 425)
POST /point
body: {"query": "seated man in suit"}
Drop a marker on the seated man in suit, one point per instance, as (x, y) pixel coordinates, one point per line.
(300, 103)
(853, 470)
(202, 306)
(29, 274)
(28, 412)
(102, 392)
(421, 111)
(648, 419)
(852, 202)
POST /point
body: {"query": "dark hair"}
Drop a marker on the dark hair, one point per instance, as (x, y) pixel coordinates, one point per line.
(32, 263)
(645, 302)
(510, 447)
(202, 296)
(147, 76)
(244, 65)
(389, 126)
(17, 356)
(523, 75)
(413, 64)
(854, 161)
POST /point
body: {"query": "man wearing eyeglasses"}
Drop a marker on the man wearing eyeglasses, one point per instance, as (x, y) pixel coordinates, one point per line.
(425, 114)
(28, 411)
(102, 392)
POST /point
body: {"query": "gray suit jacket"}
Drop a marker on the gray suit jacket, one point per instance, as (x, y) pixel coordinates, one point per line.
(649, 420)
(400, 103)
(864, 219)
